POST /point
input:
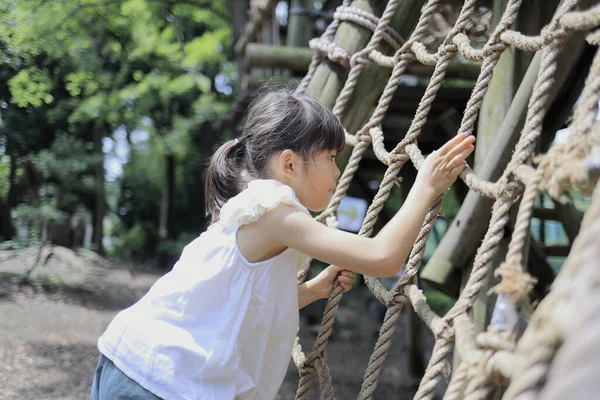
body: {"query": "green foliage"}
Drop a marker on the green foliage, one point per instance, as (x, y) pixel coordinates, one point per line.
(450, 205)
(4, 176)
(31, 87)
(73, 70)
(11, 245)
(439, 302)
(46, 212)
(133, 244)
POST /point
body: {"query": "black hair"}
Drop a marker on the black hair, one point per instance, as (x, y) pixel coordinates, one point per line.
(276, 120)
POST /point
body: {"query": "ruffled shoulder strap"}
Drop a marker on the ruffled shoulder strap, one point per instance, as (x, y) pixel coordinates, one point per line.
(260, 197)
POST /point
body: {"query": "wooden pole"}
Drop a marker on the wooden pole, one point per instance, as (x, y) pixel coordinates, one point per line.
(273, 56)
(299, 30)
(508, 75)
(298, 59)
(372, 81)
(328, 79)
(570, 217)
(239, 19)
(501, 90)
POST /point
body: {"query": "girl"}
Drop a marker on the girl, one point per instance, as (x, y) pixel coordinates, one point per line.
(221, 324)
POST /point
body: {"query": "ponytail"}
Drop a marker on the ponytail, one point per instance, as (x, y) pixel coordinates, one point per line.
(224, 176)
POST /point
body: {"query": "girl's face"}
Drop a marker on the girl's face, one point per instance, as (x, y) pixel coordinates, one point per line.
(313, 179)
(316, 181)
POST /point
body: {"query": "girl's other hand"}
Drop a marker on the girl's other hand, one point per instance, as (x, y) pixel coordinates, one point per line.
(441, 168)
(325, 280)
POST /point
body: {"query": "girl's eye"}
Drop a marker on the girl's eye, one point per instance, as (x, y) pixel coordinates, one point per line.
(332, 158)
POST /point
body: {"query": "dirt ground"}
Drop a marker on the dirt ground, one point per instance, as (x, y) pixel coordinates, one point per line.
(48, 331)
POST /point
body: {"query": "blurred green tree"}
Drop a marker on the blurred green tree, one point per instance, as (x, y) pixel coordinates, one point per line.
(72, 73)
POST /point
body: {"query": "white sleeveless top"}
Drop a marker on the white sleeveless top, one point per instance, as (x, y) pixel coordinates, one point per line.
(217, 326)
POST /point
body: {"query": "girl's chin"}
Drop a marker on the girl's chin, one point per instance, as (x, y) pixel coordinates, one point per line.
(316, 209)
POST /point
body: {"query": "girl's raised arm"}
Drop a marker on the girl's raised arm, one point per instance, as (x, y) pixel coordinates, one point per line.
(384, 254)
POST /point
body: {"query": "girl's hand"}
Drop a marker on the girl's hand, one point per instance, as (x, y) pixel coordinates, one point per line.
(323, 283)
(441, 168)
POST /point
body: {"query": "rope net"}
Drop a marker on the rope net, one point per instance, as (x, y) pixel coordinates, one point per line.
(496, 357)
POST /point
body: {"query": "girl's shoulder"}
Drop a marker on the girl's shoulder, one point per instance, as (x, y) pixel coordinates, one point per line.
(261, 196)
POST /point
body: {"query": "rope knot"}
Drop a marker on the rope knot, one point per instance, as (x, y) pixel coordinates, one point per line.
(393, 158)
(496, 340)
(396, 298)
(307, 370)
(497, 47)
(359, 58)
(491, 342)
(448, 49)
(510, 191)
(515, 283)
(443, 329)
(334, 53)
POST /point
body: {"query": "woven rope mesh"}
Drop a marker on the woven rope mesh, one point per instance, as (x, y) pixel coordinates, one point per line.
(494, 358)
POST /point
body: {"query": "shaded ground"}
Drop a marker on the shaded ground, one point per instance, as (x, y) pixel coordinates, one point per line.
(48, 330)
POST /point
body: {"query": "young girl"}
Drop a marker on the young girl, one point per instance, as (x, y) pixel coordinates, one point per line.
(221, 324)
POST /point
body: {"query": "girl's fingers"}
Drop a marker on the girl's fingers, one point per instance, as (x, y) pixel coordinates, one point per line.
(455, 172)
(346, 282)
(450, 144)
(336, 269)
(459, 148)
(460, 158)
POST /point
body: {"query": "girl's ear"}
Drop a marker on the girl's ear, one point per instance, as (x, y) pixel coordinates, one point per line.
(287, 164)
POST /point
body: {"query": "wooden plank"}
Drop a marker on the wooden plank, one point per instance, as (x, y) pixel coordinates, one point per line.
(545, 213)
(557, 250)
(539, 267)
(570, 217)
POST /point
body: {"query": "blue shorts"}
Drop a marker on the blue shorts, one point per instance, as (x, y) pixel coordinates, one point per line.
(110, 383)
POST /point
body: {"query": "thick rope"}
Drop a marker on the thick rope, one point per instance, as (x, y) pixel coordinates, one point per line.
(486, 363)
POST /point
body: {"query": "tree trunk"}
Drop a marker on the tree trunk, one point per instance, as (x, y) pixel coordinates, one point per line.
(7, 229)
(99, 200)
(239, 18)
(167, 197)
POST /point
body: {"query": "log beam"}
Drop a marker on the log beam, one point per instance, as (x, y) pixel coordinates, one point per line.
(298, 59)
